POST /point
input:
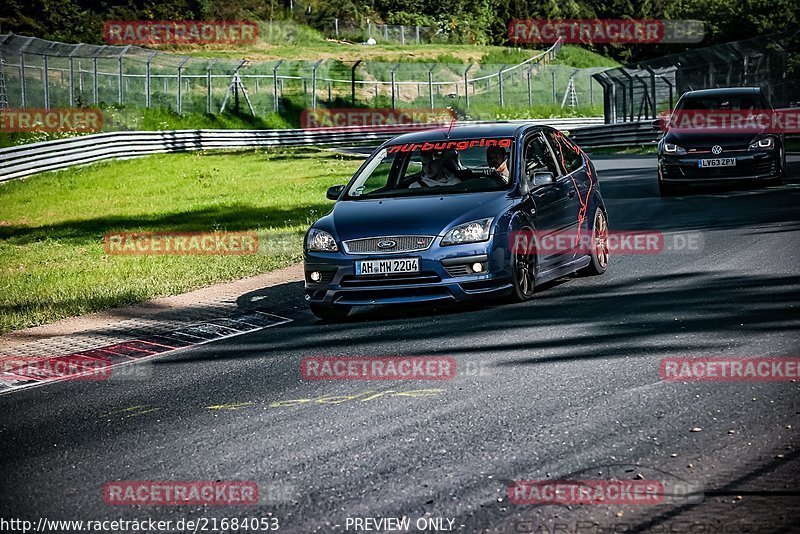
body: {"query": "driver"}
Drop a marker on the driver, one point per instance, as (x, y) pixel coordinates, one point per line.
(435, 170)
(497, 158)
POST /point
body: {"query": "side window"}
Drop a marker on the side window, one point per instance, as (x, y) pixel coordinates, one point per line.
(538, 157)
(568, 155)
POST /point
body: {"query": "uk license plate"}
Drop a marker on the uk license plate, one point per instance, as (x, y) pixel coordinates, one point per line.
(717, 162)
(393, 266)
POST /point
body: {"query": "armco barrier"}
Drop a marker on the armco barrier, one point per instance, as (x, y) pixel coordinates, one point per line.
(26, 160)
(616, 135)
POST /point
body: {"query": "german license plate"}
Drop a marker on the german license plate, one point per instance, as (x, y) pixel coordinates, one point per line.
(393, 266)
(717, 162)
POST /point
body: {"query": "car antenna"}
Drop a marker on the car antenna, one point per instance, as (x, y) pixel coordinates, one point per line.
(452, 118)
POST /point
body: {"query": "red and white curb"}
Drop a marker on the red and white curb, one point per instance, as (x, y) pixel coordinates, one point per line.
(17, 373)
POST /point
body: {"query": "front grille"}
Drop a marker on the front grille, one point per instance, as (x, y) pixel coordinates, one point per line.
(707, 150)
(423, 277)
(390, 244)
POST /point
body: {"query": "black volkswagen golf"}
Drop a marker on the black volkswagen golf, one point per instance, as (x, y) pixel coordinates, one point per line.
(720, 135)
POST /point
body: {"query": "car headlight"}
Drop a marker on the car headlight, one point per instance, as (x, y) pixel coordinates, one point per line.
(669, 148)
(768, 143)
(321, 241)
(471, 232)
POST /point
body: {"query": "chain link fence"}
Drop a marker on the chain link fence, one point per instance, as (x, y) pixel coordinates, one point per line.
(642, 91)
(45, 74)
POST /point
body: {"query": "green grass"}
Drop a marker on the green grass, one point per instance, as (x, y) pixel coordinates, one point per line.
(581, 58)
(52, 259)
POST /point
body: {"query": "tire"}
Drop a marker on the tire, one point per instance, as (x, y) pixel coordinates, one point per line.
(667, 190)
(598, 250)
(523, 272)
(330, 313)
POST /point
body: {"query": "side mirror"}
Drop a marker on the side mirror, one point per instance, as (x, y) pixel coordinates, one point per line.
(541, 178)
(656, 124)
(334, 192)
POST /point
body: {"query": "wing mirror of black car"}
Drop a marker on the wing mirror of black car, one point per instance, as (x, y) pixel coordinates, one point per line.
(656, 124)
(334, 192)
(541, 178)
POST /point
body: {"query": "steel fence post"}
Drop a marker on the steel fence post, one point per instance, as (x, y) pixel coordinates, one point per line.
(396, 66)
(466, 86)
(45, 82)
(353, 81)
(500, 86)
(430, 85)
(314, 84)
(180, 77)
(22, 84)
(276, 103)
(147, 80)
(120, 94)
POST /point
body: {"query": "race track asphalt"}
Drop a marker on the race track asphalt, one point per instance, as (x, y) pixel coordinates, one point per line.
(564, 386)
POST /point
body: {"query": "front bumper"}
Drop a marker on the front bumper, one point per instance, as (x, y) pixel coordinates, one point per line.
(750, 165)
(444, 275)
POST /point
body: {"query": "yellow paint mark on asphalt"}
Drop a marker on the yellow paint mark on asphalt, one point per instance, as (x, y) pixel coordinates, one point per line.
(370, 395)
(233, 406)
(136, 414)
(133, 411)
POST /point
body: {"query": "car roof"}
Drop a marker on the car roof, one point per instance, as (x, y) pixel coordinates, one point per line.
(471, 131)
(724, 91)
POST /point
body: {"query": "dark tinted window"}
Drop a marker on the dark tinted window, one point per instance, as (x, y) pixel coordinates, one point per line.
(568, 156)
(538, 157)
(722, 102)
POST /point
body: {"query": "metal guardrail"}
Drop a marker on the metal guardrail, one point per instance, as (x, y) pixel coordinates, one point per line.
(26, 160)
(616, 135)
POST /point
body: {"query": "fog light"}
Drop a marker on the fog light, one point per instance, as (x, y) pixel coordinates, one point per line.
(477, 267)
(315, 276)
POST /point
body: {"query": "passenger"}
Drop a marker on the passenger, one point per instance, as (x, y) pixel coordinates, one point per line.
(435, 171)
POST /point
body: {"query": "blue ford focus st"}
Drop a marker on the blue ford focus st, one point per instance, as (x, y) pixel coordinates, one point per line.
(440, 215)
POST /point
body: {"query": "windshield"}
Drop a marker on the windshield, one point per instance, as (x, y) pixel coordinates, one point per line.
(435, 168)
(723, 102)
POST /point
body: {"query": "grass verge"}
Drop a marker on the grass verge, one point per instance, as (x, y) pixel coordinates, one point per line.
(52, 258)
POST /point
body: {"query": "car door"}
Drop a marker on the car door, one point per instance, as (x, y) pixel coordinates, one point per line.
(548, 202)
(574, 180)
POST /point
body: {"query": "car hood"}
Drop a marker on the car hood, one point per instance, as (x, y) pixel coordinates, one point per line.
(693, 139)
(421, 215)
